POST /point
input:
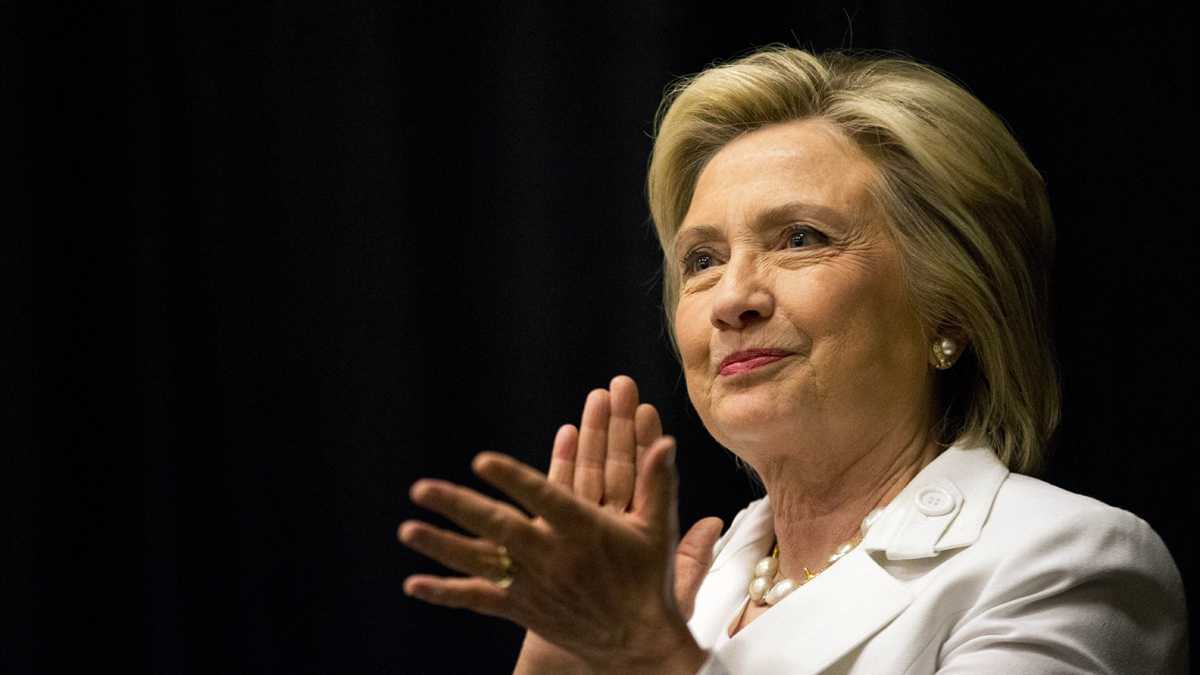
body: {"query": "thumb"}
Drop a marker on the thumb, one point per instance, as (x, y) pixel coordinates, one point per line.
(693, 557)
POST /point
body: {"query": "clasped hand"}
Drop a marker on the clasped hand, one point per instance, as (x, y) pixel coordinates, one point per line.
(598, 579)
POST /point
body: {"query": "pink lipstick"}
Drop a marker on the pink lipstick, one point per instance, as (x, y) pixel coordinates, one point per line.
(747, 360)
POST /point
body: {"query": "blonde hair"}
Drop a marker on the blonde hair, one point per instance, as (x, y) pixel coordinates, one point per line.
(967, 209)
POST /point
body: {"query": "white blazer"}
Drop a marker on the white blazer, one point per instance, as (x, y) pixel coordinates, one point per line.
(970, 569)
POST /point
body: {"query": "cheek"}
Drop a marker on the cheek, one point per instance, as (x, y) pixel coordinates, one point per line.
(838, 309)
(685, 322)
(872, 321)
(692, 336)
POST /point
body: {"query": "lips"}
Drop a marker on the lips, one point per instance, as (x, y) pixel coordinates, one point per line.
(749, 359)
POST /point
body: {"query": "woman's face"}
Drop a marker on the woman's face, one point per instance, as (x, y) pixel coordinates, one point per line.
(784, 251)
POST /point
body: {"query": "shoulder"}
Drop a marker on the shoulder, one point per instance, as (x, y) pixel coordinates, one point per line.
(1020, 492)
(1060, 575)
(1035, 520)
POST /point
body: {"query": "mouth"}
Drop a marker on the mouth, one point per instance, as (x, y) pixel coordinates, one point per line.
(750, 359)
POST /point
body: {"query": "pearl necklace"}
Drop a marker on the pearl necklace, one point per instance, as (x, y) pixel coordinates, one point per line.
(762, 592)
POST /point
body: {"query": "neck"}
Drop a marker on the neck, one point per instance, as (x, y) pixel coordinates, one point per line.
(818, 505)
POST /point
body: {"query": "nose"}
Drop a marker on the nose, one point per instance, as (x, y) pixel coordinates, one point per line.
(743, 296)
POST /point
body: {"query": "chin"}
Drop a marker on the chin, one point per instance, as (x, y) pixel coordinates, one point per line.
(749, 420)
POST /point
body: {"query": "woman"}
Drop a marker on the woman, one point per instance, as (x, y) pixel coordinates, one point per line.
(856, 264)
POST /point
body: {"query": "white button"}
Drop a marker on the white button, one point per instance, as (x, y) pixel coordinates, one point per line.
(934, 501)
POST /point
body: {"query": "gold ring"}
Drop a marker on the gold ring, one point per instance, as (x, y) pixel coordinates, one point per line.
(507, 567)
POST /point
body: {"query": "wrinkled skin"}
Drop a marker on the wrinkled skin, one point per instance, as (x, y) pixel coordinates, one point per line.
(605, 518)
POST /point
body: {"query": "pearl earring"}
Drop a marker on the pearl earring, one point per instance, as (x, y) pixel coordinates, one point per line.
(945, 351)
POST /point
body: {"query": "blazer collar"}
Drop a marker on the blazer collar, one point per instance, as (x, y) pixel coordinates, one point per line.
(944, 507)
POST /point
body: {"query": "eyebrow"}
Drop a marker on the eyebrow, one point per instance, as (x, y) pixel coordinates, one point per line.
(789, 211)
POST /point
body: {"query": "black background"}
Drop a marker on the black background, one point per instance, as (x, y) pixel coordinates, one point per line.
(292, 257)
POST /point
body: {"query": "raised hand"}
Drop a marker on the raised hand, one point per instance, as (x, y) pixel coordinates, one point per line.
(602, 459)
(593, 565)
(595, 583)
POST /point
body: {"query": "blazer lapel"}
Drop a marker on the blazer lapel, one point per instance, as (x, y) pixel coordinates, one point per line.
(943, 508)
(819, 622)
(725, 585)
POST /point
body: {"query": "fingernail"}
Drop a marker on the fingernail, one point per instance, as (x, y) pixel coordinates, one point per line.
(671, 455)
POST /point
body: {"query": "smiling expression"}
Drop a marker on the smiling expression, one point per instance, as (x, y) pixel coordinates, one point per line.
(793, 322)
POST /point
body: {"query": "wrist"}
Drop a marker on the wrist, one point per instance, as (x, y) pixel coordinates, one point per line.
(539, 657)
(687, 659)
(676, 653)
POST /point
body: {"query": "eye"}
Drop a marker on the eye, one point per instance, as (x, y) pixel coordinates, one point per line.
(803, 236)
(697, 261)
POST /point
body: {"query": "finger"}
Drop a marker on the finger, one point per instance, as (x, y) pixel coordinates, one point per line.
(657, 488)
(593, 444)
(619, 468)
(496, 520)
(562, 457)
(648, 427)
(693, 557)
(477, 595)
(531, 490)
(477, 557)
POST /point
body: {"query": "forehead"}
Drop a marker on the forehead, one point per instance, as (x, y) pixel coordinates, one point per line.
(804, 160)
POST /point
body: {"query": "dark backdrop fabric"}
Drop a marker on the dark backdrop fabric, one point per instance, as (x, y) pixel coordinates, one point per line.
(296, 255)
